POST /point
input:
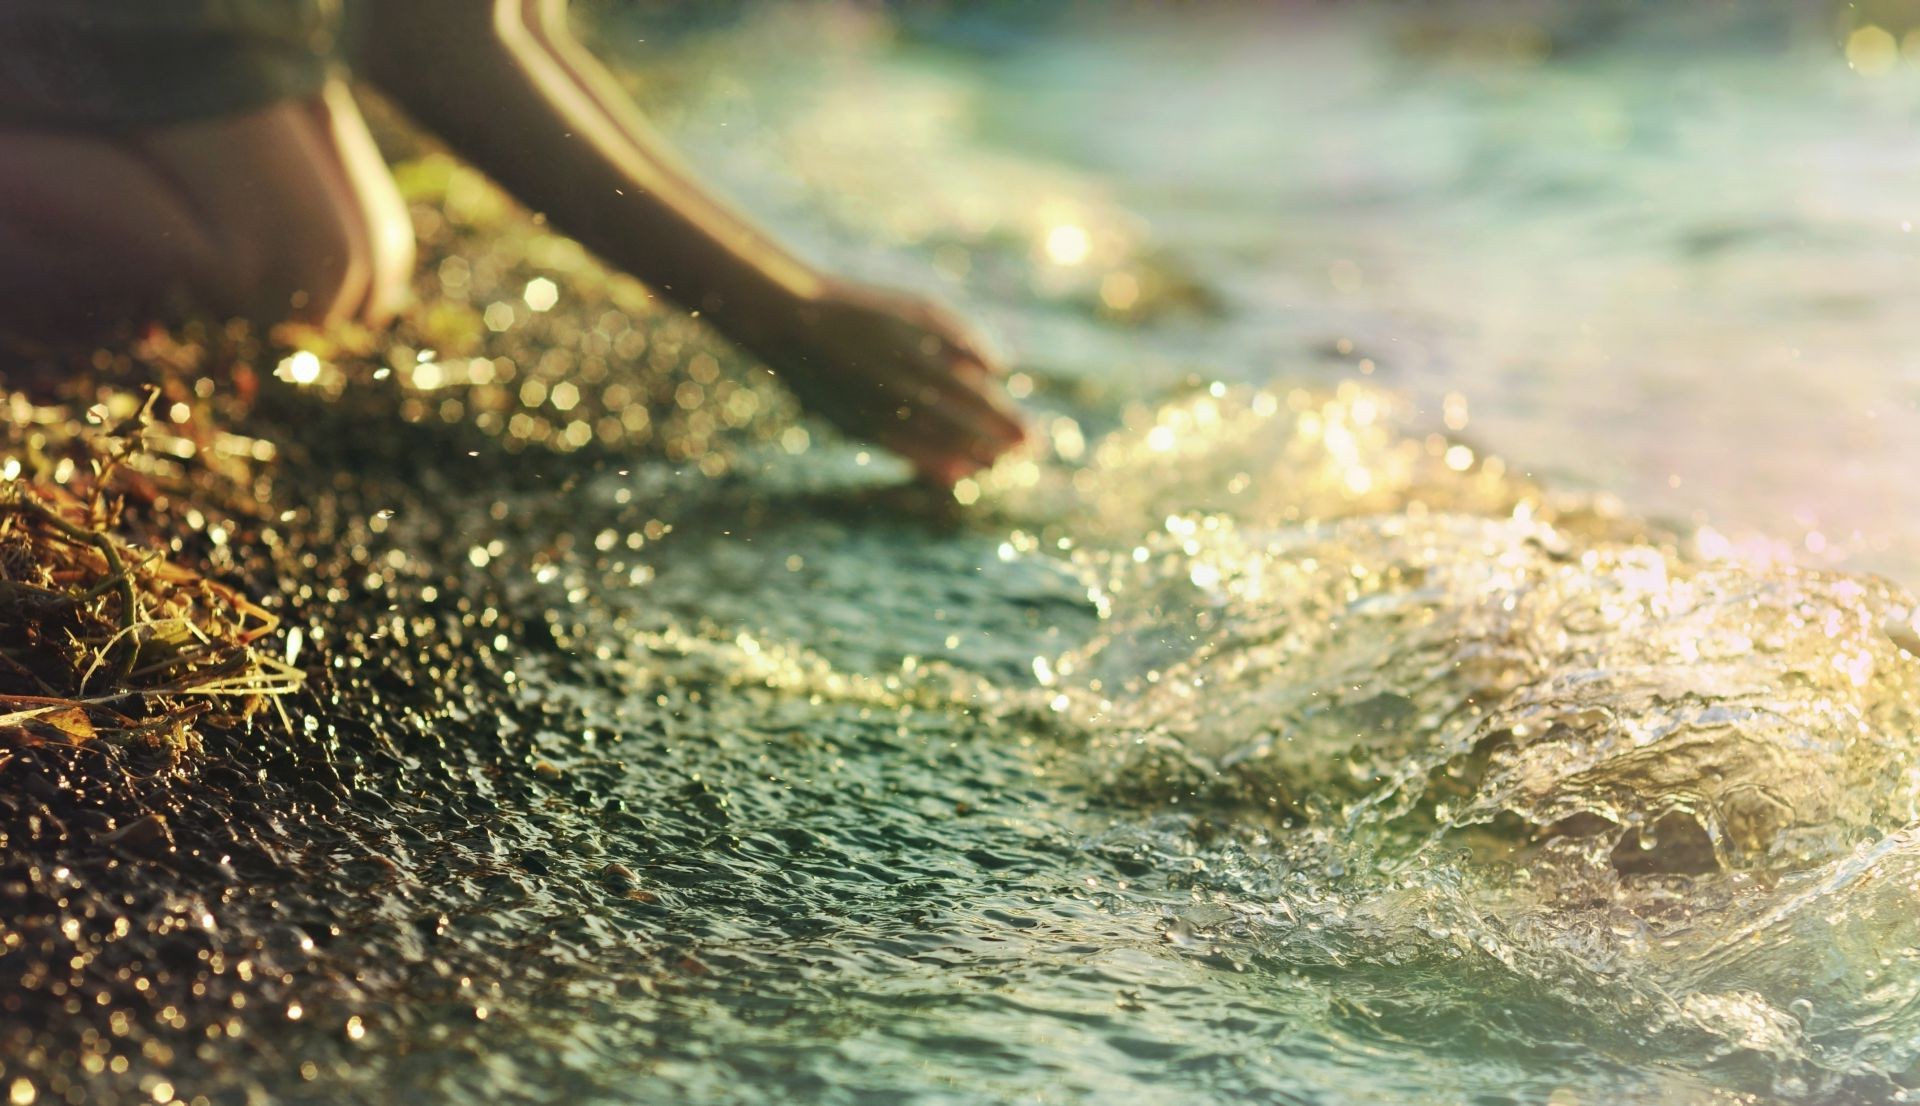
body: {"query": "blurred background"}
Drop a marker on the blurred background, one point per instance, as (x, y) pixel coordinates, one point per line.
(1660, 251)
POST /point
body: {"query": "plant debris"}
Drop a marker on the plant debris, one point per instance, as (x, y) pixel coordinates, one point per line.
(104, 637)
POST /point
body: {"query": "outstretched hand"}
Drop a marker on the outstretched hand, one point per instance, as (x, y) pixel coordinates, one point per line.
(557, 130)
(900, 372)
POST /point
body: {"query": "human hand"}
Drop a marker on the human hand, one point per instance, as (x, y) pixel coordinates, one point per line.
(900, 372)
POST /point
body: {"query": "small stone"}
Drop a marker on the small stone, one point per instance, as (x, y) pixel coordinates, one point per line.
(148, 836)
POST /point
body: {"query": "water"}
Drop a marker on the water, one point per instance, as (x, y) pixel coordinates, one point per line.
(1643, 264)
(1280, 731)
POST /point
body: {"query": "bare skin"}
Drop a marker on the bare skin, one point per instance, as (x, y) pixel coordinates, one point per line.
(284, 212)
(288, 213)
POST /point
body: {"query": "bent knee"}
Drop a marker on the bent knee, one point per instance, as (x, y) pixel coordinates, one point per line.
(89, 236)
(303, 232)
(330, 262)
(317, 268)
(281, 213)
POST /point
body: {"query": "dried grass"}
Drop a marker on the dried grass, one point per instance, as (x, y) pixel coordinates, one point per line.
(102, 639)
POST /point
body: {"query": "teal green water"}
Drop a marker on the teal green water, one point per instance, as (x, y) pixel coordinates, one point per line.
(1260, 738)
(1295, 724)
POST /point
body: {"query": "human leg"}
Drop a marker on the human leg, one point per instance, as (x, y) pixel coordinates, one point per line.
(285, 212)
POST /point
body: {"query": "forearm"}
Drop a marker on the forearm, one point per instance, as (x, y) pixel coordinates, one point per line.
(533, 111)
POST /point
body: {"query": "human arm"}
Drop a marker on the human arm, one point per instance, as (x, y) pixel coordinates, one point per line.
(505, 84)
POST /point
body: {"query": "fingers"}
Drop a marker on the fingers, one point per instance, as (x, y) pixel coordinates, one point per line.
(960, 421)
(909, 377)
(972, 371)
(956, 433)
(949, 337)
(978, 410)
(965, 347)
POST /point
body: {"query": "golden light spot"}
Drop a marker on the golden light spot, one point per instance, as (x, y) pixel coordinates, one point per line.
(294, 1011)
(966, 492)
(741, 406)
(1341, 444)
(1648, 576)
(1068, 244)
(21, 1093)
(163, 1091)
(1459, 458)
(1068, 441)
(1871, 50)
(356, 1028)
(1856, 667)
(498, 316)
(429, 375)
(1453, 409)
(301, 368)
(541, 294)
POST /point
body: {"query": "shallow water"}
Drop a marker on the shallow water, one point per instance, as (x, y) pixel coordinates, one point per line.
(1674, 263)
(1259, 742)
(1265, 736)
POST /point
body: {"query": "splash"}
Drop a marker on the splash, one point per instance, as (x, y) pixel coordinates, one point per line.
(1442, 642)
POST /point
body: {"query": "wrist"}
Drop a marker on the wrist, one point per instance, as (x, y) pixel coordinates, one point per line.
(772, 316)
